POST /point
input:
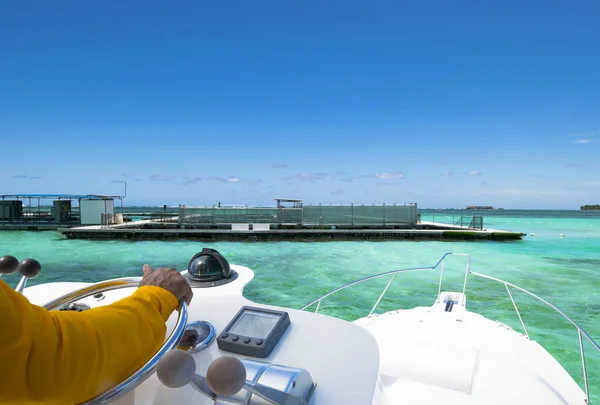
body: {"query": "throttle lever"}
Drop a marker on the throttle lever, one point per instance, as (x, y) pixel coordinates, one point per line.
(225, 376)
(8, 265)
(28, 268)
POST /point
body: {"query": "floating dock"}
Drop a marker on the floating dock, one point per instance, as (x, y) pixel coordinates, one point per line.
(96, 217)
(145, 230)
(30, 227)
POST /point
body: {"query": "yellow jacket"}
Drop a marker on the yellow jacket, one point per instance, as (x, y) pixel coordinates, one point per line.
(66, 357)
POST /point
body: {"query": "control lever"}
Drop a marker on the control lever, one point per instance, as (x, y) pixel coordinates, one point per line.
(28, 268)
(177, 368)
(225, 376)
(8, 265)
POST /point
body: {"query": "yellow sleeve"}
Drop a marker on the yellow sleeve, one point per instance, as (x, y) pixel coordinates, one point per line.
(66, 357)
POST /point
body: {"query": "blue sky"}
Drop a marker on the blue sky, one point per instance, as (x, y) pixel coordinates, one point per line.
(446, 104)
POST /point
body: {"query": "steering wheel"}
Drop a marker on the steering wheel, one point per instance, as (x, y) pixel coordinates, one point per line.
(141, 374)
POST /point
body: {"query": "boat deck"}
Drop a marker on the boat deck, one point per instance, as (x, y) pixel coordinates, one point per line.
(460, 357)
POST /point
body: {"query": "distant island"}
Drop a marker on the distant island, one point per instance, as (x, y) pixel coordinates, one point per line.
(482, 208)
(595, 207)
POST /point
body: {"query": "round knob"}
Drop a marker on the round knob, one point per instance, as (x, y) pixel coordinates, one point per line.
(226, 376)
(30, 268)
(176, 368)
(8, 264)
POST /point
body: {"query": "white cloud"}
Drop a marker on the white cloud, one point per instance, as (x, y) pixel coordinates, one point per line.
(474, 173)
(389, 175)
(191, 180)
(312, 176)
(447, 174)
(229, 179)
(161, 177)
(357, 178)
(528, 193)
(584, 138)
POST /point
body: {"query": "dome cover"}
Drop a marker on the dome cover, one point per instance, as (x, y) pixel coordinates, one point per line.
(209, 266)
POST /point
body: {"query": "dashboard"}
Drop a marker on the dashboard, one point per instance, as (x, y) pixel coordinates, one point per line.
(337, 360)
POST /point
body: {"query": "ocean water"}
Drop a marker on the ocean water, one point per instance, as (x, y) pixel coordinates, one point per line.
(562, 269)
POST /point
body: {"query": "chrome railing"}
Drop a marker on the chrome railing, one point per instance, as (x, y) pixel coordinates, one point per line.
(580, 331)
(393, 275)
(440, 264)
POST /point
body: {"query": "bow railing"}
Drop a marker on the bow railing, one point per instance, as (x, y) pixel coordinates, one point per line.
(440, 264)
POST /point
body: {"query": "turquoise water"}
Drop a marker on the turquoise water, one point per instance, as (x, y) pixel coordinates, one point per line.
(563, 270)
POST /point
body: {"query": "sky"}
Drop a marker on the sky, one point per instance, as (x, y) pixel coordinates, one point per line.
(445, 104)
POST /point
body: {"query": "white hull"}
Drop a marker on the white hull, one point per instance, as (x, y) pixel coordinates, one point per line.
(429, 356)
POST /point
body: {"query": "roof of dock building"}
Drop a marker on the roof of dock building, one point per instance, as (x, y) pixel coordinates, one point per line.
(62, 196)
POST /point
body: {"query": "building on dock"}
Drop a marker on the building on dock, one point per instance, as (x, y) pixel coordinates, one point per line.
(50, 211)
(282, 203)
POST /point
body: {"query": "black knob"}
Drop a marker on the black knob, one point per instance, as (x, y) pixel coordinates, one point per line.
(30, 268)
(8, 264)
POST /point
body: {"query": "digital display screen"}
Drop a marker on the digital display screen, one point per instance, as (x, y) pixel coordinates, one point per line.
(254, 324)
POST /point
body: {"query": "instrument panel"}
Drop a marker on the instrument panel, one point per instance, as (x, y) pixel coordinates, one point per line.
(254, 331)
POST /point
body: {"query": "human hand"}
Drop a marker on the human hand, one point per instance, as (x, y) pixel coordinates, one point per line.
(169, 279)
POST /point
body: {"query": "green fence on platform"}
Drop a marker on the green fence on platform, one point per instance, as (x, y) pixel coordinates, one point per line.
(360, 214)
(308, 215)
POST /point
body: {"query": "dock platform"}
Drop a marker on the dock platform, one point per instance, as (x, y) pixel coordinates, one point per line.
(289, 220)
(31, 226)
(149, 231)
